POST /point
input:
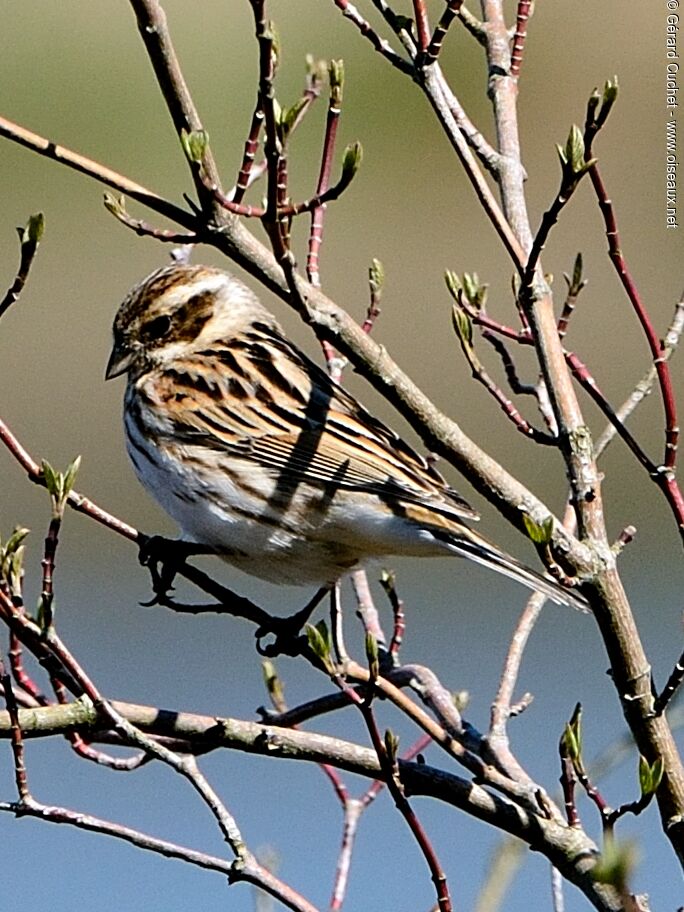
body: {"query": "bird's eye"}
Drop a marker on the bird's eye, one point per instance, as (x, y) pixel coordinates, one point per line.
(157, 328)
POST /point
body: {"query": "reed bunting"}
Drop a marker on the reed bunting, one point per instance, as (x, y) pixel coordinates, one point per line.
(261, 458)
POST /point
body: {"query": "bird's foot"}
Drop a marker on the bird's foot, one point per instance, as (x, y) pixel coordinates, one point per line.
(288, 639)
(164, 557)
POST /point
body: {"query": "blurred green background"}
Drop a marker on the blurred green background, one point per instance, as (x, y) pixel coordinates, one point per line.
(77, 73)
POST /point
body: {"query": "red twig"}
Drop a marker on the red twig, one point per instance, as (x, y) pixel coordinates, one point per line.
(48, 564)
(422, 24)
(665, 476)
(75, 500)
(17, 740)
(390, 768)
(568, 780)
(521, 22)
(21, 676)
(249, 154)
(588, 383)
(654, 342)
(435, 44)
(349, 11)
(575, 285)
(144, 229)
(388, 584)
(515, 383)
(318, 212)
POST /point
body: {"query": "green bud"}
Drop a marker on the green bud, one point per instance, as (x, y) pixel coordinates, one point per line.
(475, 292)
(540, 534)
(33, 230)
(650, 776)
(351, 162)
(576, 283)
(53, 480)
(287, 118)
(14, 541)
(391, 746)
(462, 325)
(115, 205)
(592, 106)
(372, 656)
(194, 144)
(376, 277)
(453, 283)
(336, 78)
(610, 94)
(70, 476)
(318, 638)
(574, 149)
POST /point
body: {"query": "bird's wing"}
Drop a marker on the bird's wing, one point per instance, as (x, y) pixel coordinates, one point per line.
(261, 399)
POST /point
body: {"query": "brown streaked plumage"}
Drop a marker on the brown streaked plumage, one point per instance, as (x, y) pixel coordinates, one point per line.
(260, 456)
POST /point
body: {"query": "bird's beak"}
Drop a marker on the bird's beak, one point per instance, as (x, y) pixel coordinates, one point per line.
(119, 362)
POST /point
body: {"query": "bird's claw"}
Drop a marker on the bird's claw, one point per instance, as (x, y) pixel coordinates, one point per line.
(162, 557)
(287, 639)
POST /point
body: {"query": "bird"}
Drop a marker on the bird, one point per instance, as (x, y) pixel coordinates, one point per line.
(264, 460)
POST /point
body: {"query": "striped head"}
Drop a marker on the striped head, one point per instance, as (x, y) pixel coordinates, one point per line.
(176, 311)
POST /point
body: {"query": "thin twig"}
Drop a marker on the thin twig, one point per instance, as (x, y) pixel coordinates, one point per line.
(521, 22)
(17, 739)
(434, 47)
(94, 169)
(383, 47)
(29, 238)
(671, 687)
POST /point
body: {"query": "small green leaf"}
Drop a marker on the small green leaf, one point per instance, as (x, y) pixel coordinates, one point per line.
(650, 776)
(391, 746)
(474, 290)
(576, 283)
(53, 480)
(577, 272)
(592, 106)
(453, 284)
(287, 117)
(539, 534)
(70, 475)
(351, 161)
(574, 150)
(33, 230)
(568, 743)
(376, 278)
(194, 144)
(610, 94)
(115, 205)
(318, 638)
(336, 79)
(463, 325)
(14, 541)
(372, 655)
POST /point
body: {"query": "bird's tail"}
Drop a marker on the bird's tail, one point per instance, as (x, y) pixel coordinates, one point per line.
(476, 548)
